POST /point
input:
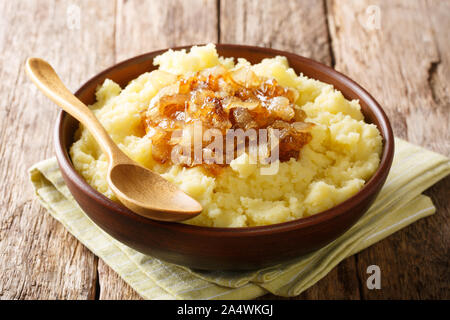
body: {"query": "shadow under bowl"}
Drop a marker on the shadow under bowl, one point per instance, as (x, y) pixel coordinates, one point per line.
(224, 248)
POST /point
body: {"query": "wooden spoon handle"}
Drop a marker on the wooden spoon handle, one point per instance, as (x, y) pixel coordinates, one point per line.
(46, 79)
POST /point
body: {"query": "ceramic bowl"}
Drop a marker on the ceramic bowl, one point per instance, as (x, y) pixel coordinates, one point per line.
(224, 248)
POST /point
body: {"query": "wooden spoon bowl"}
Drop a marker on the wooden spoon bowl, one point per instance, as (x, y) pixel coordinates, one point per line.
(139, 189)
(224, 248)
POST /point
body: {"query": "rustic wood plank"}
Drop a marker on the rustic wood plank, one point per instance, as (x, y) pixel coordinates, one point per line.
(39, 259)
(404, 63)
(300, 27)
(295, 26)
(438, 74)
(143, 26)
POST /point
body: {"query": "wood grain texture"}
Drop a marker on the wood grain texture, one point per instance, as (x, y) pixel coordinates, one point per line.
(39, 259)
(300, 27)
(112, 287)
(143, 26)
(295, 26)
(404, 63)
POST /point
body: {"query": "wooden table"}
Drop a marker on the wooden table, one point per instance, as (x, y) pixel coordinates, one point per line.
(398, 50)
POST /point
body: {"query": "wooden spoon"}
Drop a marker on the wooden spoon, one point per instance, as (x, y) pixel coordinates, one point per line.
(141, 190)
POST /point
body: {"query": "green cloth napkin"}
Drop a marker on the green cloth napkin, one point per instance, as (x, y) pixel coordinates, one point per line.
(399, 204)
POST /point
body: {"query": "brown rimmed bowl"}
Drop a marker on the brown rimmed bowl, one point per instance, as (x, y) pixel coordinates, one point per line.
(224, 248)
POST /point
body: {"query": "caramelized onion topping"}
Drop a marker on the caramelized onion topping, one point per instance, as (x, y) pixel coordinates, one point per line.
(224, 100)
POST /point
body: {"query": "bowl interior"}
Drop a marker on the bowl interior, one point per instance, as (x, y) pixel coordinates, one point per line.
(128, 70)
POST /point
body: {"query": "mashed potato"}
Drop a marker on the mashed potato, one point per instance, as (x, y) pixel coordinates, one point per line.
(341, 156)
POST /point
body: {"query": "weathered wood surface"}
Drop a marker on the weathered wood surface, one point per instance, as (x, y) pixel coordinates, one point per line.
(404, 63)
(295, 26)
